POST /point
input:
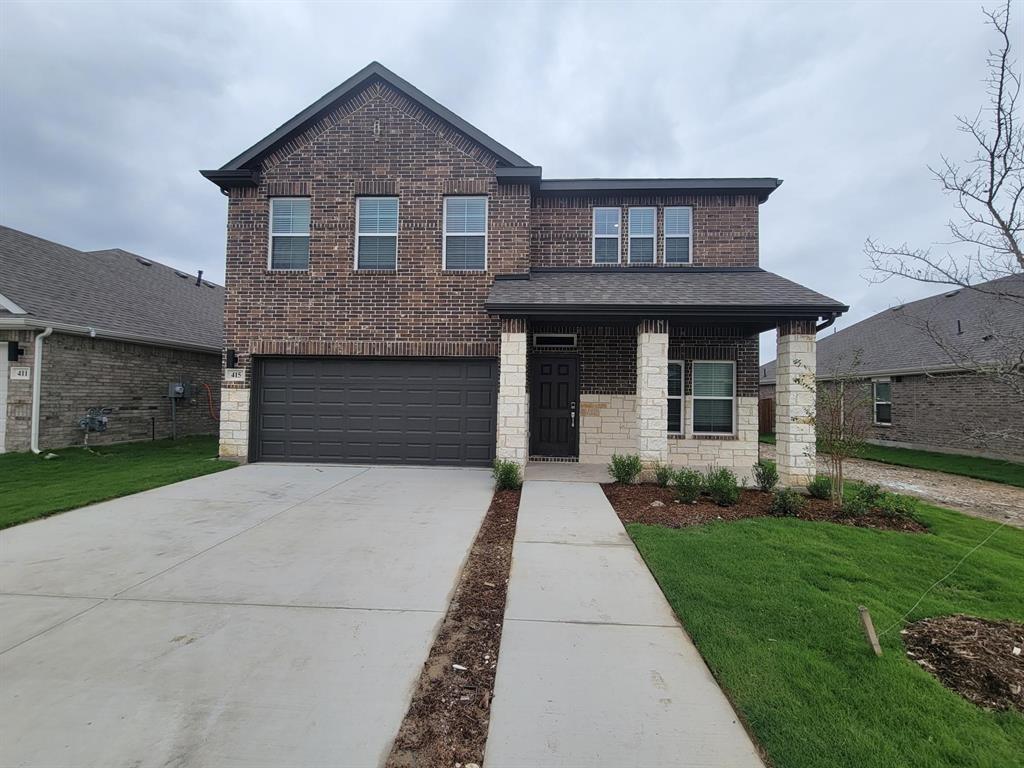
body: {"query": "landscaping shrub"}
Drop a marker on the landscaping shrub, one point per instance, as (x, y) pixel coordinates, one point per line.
(663, 474)
(766, 475)
(625, 469)
(855, 506)
(820, 487)
(688, 483)
(786, 501)
(895, 505)
(720, 484)
(872, 495)
(507, 475)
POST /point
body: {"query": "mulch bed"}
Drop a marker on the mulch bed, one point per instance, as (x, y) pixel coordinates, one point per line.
(451, 708)
(655, 505)
(973, 657)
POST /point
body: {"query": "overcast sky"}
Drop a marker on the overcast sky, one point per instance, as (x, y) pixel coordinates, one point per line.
(107, 111)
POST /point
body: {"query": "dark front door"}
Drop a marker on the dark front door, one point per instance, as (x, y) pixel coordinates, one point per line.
(554, 399)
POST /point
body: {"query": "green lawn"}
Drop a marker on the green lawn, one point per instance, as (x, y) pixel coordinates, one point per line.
(32, 487)
(970, 466)
(772, 605)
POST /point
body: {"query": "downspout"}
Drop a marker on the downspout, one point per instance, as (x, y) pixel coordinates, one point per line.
(37, 387)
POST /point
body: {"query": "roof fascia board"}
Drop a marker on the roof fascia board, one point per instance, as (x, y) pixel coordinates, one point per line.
(27, 324)
(762, 186)
(775, 312)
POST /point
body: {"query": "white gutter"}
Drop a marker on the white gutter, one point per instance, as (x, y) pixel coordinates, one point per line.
(37, 387)
(20, 323)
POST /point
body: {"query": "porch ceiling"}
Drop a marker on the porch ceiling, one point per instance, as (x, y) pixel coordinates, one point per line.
(750, 296)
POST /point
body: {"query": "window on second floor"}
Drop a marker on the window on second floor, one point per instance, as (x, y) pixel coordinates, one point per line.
(377, 233)
(289, 233)
(678, 235)
(465, 234)
(642, 225)
(607, 234)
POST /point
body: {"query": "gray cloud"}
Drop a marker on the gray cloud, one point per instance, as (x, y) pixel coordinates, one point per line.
(108, 110)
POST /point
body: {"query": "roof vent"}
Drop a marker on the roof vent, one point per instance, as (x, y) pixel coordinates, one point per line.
(951, 294)
(182, 274)
(143, 262)
(898, 307)
(987, 337)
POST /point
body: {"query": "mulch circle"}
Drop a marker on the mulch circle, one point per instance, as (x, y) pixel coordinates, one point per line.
(450, 712)
(655, 505)
(974, 657)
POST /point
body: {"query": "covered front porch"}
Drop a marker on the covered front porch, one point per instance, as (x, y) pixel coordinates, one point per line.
(678, 387)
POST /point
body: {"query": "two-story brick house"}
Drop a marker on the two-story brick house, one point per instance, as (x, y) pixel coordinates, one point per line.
(402, 288)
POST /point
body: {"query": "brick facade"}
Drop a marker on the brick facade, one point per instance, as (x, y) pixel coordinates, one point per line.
(81, 373)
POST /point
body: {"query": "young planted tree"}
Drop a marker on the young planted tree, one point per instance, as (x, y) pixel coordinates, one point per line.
(986, 235)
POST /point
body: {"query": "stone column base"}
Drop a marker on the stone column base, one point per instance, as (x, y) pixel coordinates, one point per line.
(234, 424)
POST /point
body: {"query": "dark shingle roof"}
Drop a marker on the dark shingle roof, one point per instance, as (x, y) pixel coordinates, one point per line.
(113, 291)
(664, 291)
(900, 339)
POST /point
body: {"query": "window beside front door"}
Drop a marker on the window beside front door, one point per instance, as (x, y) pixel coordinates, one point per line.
(714, 390)
(675, 397)
(883, 402)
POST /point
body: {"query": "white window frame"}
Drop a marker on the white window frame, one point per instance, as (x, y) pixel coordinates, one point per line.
(594, 236)
(398, 224)
(445, 234)
(271, 235)
(695, 398)
(681, 397)
(665, 237)
(653, 237)
(875, 402)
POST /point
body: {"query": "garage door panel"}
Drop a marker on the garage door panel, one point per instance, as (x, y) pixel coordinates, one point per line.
(393, 411)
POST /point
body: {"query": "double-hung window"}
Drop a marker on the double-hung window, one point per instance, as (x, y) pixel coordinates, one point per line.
(289, 233)
(465, 233)
(678, 235)
(714, 388)
(883, 401)
(675, 397)
(641, 235)
(377, 233)
(607, 235)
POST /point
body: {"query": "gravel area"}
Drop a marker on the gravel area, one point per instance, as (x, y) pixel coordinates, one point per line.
(979, 498)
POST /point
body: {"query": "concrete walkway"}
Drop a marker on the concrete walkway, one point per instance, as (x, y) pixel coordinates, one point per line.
(594, 668)
(269, 615)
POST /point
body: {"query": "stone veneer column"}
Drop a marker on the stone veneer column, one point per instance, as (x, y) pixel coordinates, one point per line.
(513, 399)
(652, 391)
(795, 402)
(234, 423)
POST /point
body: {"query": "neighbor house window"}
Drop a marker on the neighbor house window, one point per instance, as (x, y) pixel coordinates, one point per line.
(465, 233)
(883, 402)
(607, 234)
(641, 235)
(377, 233)
(675, 397)
(713, 395)
(678, 235)
(289, 233)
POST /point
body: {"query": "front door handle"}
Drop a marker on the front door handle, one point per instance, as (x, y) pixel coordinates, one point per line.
(572, 414)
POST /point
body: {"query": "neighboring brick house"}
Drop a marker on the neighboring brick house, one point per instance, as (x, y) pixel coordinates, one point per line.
(122, 328)
(403, 288)
(936, 371)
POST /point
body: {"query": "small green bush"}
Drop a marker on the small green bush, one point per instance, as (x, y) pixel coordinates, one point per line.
(507, 475)
(721, 485)
(663, 474)
(766, 475)
(625, 469)
(895, 505)
(855, 506)
(787, 502)
(872, 495)
(820, 487)
(688, 483)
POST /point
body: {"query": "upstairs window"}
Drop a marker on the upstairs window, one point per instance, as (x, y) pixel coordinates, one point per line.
(607, 235)
(289, 233)
(465, 233)
(883, 402)
(678, 235)
(675, 397)
(377, 233)
(713, 396)
(641, 235)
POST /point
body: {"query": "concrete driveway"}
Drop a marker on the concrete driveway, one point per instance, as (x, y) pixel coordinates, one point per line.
(269, 615)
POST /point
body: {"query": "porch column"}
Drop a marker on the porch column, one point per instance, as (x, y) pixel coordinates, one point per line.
(652, 391)
(795, 403)
(513, 400)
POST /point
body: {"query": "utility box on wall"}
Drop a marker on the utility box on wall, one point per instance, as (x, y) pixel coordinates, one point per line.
(181, 390)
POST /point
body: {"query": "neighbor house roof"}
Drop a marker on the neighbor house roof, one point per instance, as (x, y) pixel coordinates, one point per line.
(743, 294)
(973, 325)
(243, 170)
(115, 293)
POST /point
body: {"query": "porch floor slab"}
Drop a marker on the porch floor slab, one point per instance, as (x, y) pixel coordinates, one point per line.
(594, 668)
(567, 472)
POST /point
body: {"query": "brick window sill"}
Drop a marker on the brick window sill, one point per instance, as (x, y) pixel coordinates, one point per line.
(286, 272)
(463, 271)
(375, 271)
(703, 437)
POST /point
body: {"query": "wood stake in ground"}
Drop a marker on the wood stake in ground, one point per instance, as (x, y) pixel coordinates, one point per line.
(869, 630)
